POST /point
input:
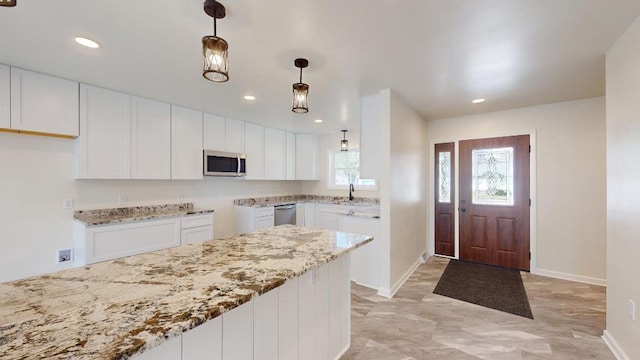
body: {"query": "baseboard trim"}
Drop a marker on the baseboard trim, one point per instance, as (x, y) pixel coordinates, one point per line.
(389, 293)
(365, 285)
(614, 346)
(344, 351)
(571, 277)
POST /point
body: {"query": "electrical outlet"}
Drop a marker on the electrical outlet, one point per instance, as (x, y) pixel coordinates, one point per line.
(64, 256)
(122, 199)
(67, 203)
(631, 310)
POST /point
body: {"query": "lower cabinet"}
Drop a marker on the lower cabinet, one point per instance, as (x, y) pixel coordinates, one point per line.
(249, 219)
(365, 260)
(102, 243)
(307, 318)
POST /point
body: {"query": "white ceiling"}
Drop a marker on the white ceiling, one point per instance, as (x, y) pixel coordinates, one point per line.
(437, 55)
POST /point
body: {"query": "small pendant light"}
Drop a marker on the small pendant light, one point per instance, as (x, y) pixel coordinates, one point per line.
(301, 90)
(215, 50)
(8, 3)
(344, 143)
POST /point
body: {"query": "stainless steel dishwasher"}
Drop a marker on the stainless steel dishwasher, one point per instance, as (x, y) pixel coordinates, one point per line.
(285, 214)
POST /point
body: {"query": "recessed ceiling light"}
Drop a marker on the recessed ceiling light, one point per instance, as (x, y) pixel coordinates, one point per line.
(478, 101)
(249, 97)
(87, 42)
(317, 121)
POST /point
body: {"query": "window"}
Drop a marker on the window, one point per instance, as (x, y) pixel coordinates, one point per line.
(345, 170)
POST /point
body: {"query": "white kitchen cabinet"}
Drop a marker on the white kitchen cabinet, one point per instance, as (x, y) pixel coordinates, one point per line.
(370, 137)
(288, 320)
(150, 139)
(105, 134)
(300, 213)
(42, 103)
(265, 326)
(169, 350)
(307, 157)
(307, 316)
(290, 161)
(328, 217)
(309, 215)
(249, 219)
(186, 144)
(339, 308)
(274, 154)
(234, 130)
(102, 243)
(5, 97)
(322, 312)
(203, 342)
(365, 261)
(196, 229)
(254, 148)
(237, 330)
(214, 132)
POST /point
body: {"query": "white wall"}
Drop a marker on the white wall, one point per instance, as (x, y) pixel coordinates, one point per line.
(403, 198)
(571, 185)
(329, 143)
(36, 173)
(623, 189)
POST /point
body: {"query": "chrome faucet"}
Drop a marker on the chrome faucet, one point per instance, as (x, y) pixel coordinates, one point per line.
(351, 191)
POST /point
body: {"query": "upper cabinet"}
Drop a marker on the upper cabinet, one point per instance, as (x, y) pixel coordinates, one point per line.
(290, 165)
(235, 138)
(43, 104)
(150, 139)
(254, 148)
(307, 157)
(274, 154)
(370, 137)
(186, 144)
(5, 97)
(105, 138)
(214, 131)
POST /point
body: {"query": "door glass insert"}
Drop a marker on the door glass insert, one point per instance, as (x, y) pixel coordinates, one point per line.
(492, 176)
(444, 186)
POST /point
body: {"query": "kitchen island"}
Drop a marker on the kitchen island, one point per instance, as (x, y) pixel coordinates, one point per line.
(280, 293)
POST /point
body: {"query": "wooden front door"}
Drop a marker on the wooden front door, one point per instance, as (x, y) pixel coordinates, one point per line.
(444, 190)
(494, 201)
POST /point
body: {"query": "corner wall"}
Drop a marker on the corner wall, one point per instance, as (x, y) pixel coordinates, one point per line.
(623, 193)
(37, 173)
(570, 203)
(403, 196)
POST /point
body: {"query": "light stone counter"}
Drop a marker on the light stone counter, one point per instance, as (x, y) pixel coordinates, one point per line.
(358, 207)
(136, 213)
(119, 308)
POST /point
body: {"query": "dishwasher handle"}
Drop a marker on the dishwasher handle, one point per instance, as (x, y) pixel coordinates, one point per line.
(285, 207)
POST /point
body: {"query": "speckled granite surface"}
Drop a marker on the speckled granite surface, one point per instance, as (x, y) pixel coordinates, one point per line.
(116, 309)
(280, 200)
(136, 213)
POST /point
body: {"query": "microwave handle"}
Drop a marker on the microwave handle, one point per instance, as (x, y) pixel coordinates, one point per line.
(238, 172)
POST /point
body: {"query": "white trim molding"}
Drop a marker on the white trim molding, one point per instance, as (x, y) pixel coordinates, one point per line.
(389, 293)
(571, 277)
(614, 346)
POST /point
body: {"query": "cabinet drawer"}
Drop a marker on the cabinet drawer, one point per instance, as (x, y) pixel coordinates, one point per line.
(263, 222)
(263, 211)
(196, 235)
(196, 221)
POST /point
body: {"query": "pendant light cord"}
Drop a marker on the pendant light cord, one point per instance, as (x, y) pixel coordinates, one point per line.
(215, 24)
(301, 75)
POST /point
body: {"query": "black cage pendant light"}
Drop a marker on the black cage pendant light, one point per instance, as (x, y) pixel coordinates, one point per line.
(344, 143)
(8, 3)
(301, 90)
(215, 50)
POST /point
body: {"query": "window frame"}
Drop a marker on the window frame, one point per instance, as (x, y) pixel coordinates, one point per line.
(331, 174)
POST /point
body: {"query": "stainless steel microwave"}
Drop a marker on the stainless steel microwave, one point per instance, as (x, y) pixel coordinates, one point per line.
(218, 163)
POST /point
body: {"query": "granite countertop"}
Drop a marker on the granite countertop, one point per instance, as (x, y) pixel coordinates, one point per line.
(358, 207)
(136, 213)
(115, 309)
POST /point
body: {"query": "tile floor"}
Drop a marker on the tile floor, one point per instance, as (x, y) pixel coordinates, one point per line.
(417, 324)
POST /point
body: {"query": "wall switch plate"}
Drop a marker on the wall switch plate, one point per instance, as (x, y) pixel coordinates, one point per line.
(631, 310)
(67, 203)
(122, 199)
(64, 256)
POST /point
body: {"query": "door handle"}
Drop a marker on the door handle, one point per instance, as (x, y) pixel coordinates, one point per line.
(462, 209)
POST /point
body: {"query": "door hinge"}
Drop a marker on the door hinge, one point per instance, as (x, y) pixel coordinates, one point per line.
(529, 148)
(529, 202)
(529, 255)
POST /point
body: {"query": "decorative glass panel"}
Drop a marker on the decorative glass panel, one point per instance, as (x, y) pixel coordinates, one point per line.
(492, 172)
(444, 162)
